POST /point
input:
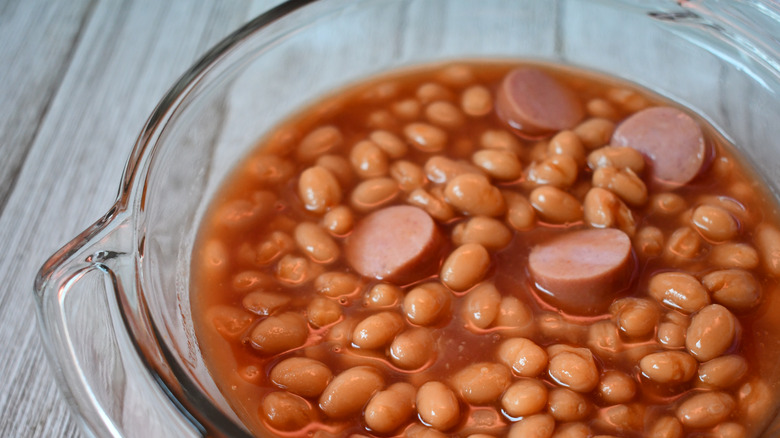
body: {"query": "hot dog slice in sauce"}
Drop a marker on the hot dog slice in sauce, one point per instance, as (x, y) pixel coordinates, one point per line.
(583, 271)
(534, 104)
(671, 141)
(393, 243)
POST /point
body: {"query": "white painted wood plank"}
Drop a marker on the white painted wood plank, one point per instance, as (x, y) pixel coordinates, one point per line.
(128, 54)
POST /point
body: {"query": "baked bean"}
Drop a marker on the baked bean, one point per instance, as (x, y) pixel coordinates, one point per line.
(276, 245)
(465, 266)
(476, 101)
(337, 284)
(572, 367)
(319, 190)
(295, 270)
(301, 376)
(407, 109)
(705, 410)
(619, 157)
(734, 255)
(756, 399)
(629, 100)
(598, 107)
(684, 243)
(670, 367)
(432, 204)
(214, 258)
(553, 325)
(497, 139)
(381, 92)
(723, 372)
(431, 91)
(620, 419)
(671, 331)
(623, 182)
(604, 338)
(603, 209)
(715, 223)
(383, 295)
(368, 160)
(668, 204)
(555, 206)
(246, 213)
(316, 243)
(729, 430)
(388, 142)
(425, 137)
(595, 132)
(678, 290)
(374, 193)
(524, 397)
(412, 349)
(573, 430)
(481, 383)
(381, 119)
(340, 167)
(269, 169)
(635, 317)
(499, 164)
(473, 194)
(533, 426)
(285, 411)
(419, 431)
(566, 405)
(649, 241)
(556, 170)
(514, 318)
(377, 330)
(712, 331)
(426, 303)
(437, 405)
(319, 142)
(666, 427)
(264, 303)
(246, 281)
(388, 410)
(339, 221)
(444, 114)
(567, 143)
(457, 75)
(409, 175)
(278, 333)
(767, 239)
(520, 213)
(616, 387)
(481, 305)
(323, 312)
(229, 322)
(349, 391)
(736, 289)
(488, 232)
(441, 170)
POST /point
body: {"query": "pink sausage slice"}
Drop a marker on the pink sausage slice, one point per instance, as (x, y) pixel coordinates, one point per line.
(671, 141)
(534, 104)
(395, 243)
(582, 272)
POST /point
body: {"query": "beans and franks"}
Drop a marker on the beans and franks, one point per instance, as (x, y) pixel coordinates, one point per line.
(489, 250)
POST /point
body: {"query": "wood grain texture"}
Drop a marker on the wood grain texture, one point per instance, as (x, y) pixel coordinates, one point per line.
(77, 81)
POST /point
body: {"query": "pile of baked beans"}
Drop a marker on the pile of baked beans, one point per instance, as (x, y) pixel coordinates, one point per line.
(491, 249)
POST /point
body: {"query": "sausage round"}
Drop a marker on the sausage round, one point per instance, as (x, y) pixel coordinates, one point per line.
(671, 141)
(535, 104)
(582, 271)
(389, 244)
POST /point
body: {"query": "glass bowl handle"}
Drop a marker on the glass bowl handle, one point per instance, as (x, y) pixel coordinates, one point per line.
(84, 335)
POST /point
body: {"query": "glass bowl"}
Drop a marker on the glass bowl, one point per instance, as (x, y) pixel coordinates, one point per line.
(114, 302)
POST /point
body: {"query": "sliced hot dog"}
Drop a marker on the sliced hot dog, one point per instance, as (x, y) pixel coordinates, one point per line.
(671, 141)
(534, 104)
(582, 272)
(395, 243)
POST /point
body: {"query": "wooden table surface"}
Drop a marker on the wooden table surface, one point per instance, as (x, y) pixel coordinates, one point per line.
(78, 78)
